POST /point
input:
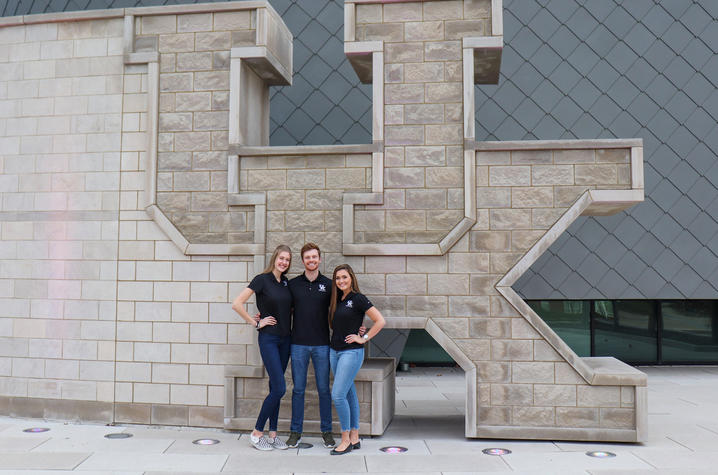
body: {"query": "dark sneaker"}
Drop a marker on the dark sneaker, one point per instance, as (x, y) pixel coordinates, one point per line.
(294, 439)
(328, 440)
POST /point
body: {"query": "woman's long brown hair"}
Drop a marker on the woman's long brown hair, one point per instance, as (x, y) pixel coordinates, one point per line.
(273, 259)
(335, 290)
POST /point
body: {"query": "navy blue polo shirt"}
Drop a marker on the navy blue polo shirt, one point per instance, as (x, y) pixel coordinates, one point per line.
(273, 299)
(348, 317)
(310, 324)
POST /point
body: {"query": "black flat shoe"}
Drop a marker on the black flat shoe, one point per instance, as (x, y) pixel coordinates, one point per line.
(356, 446)
(342, 452)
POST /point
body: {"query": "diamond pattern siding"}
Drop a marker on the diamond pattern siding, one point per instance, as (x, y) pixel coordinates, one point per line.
(571, 69)
(627, 69)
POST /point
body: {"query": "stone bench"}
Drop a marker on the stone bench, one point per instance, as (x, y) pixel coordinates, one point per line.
(246, 387)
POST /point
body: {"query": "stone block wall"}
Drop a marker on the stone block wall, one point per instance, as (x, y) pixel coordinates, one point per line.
(146, 200)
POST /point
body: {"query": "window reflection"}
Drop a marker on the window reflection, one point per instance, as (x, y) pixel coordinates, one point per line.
(690, 331)
(570, 319)
(625, 329)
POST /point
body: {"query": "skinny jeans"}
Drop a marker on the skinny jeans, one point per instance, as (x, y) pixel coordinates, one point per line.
(345, 366)
(275, 356)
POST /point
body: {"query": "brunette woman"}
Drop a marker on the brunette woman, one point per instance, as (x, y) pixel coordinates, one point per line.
(274, 302)
(346, 354)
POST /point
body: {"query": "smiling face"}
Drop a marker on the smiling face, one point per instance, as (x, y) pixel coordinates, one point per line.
(282, 262)
(343, 281)
(311, 260)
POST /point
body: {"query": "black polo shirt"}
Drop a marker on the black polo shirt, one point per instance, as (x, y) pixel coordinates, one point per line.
(273, 299)
(348, 317)
(310, 324)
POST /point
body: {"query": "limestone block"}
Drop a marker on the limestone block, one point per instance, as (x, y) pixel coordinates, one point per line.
(211, 120)
(566, 195)
(448, 284)
(266, 179)
(199, 61)
(555, 395)
(442, 51)
(510, 176)
(176, 43)
(444, 177)
(393, 73)
(628, 396)
(469, 263)
(176, 82)
(490, 241)
(194, 22)
(532, 372)
(469, 307)
(304, 221)
(546, 217)
(513, 350)
(191, 353)
(462, 28)
(404, 178)
(193, 101)
(552, 175)
(403, 53)
(405, 220)
(493, 197)
(493, 372)
(545, 352)
(565, 374)
(500, 416)
(423, 114)
(511, 394)
(381, 32)
(280, 200)
(520, 328)
(599, 396)
(426, 306)
(534, 416)
(444, 134)
(426, 263)
(523, 240)
(402, 12)
(219, 40)
(369, 220)
(503, 262)
(577, 417)
(346, 178)
(596, 174)
(443, 92)
(444, 10)
(425, 31)
(403, 93)
(613, 155)
(475, 349)
(323, 199)
(368, 13)
(393, 115)
(510, 219)
(426, 199)
(484, 284)
(573, 156)
(406, 284)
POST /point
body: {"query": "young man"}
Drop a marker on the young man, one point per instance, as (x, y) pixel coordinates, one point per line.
(311, 292)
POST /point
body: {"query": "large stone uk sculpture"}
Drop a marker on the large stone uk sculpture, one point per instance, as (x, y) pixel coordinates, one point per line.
(437, 225)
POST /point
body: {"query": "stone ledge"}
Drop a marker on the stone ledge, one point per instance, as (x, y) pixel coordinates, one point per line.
(56, 409)
(376, 369)
(291, 150)
(608, 371)
(244, 371)
(558, 433)
(510, 145)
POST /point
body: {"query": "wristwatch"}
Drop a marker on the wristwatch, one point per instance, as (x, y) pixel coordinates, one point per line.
(366, 336)
(257, 326)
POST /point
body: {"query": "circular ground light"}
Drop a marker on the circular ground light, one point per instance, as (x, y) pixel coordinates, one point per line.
(601, 454)
(34, 430)
(393, 449)
(205, 442)
(118, 435)
(304, 445)
(496, 451)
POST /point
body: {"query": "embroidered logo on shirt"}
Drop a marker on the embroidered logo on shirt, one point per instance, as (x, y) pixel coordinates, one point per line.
(350, 304)
(322, 288)
(284, 282)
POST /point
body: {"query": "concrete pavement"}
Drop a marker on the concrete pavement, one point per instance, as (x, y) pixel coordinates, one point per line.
(683, 439)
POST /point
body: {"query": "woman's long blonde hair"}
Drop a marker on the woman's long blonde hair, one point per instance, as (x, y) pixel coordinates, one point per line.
(335, 291)
(273, 259)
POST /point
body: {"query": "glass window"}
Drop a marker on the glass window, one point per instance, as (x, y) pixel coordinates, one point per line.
(690, 331)
(569, 319)
(625, 329)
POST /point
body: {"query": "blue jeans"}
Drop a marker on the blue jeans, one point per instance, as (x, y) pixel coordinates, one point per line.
(275, 355)
(300, 364)
(345, 366)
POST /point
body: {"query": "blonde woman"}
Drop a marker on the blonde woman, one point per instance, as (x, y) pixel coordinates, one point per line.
(274, 302)
(346, 313)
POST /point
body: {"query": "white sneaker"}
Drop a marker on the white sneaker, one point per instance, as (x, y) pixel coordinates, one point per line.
(277, 443)
(260, 443)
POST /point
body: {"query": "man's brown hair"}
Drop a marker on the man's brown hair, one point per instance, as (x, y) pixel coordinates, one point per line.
(308, 247)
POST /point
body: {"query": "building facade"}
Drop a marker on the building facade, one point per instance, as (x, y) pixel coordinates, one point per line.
(117, 286)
